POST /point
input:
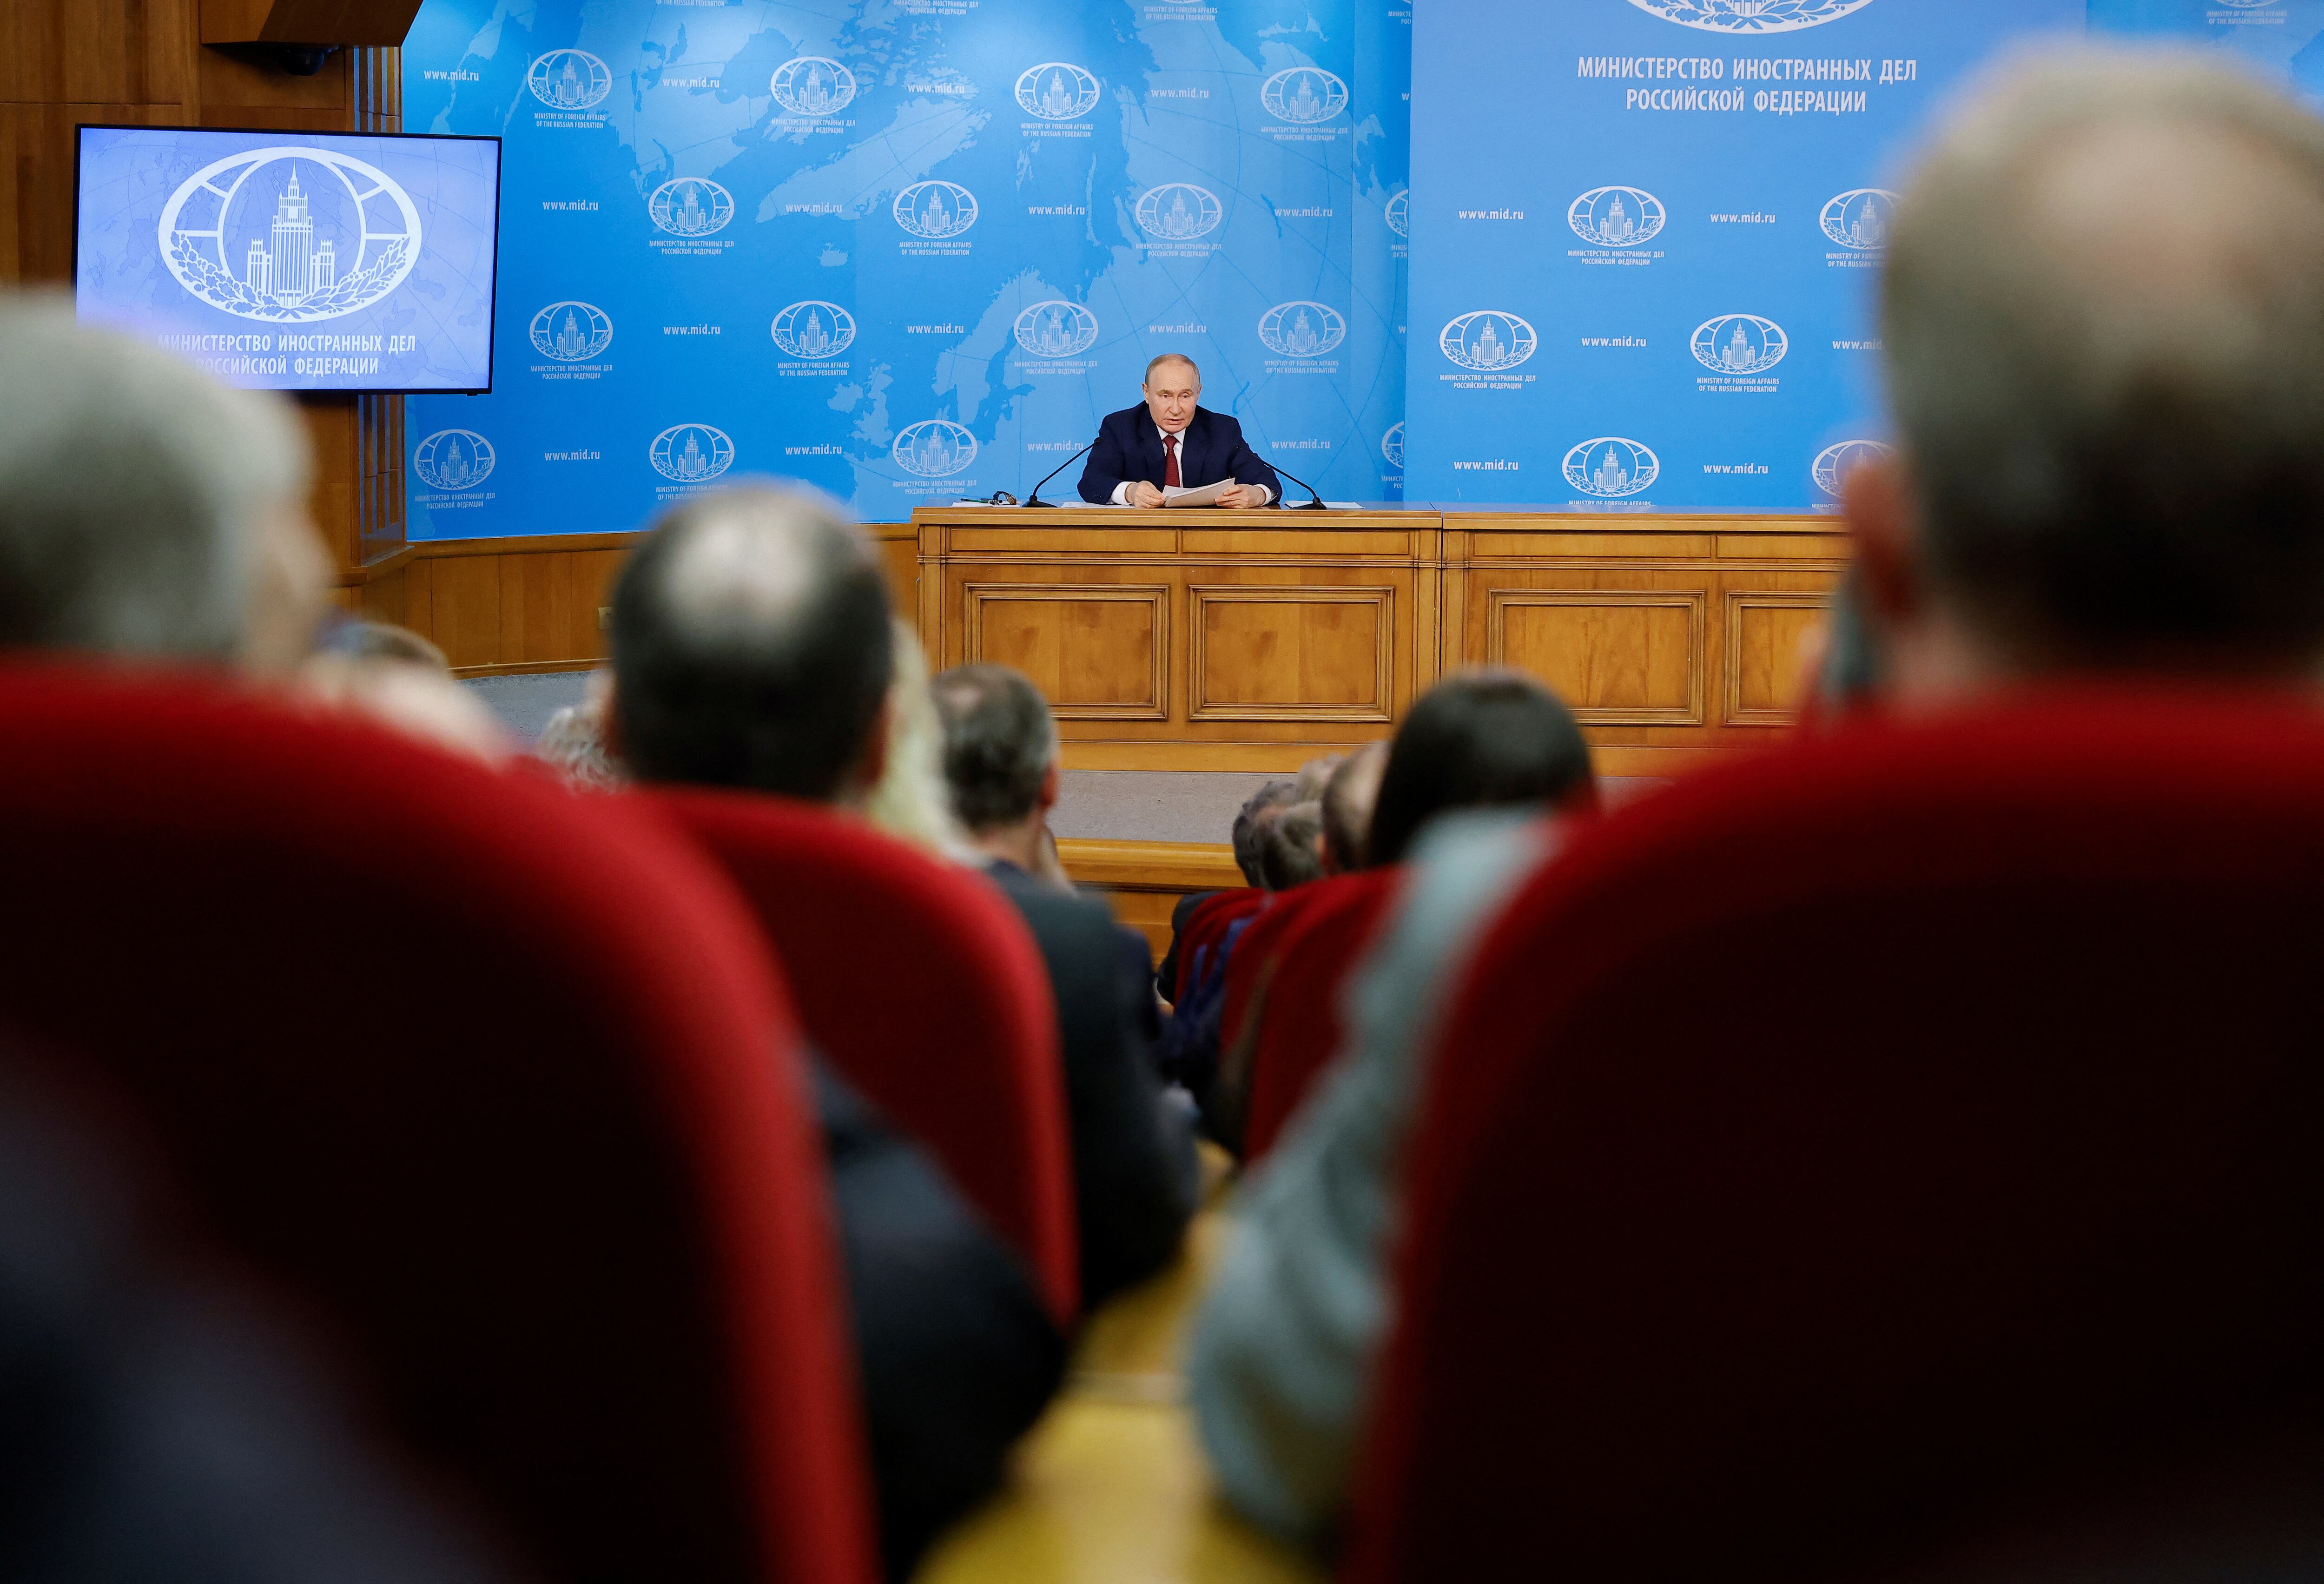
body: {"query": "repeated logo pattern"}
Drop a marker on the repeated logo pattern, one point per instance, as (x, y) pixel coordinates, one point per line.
(1178, 211)
(1860, 218)
(936, 209)
(571, 332)
(690, 206)
(1302, 329)
(1617, 217)
(1611, 467)
(454, 459)
(1303, 96)
(933, 447)
(691, 453)
(814, 329)
(568, 80)
(1751, 16)
(1057, 90)
(1487, 339)
(1057, 328)
(1831, 466)
(1740, 344)
(812, 85)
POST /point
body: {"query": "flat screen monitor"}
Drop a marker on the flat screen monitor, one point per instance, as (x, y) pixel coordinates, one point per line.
(294, 261)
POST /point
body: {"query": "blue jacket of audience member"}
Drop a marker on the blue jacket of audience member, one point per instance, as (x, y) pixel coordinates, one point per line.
(1284, 1346)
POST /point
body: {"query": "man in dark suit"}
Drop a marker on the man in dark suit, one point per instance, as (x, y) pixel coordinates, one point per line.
(1169, 441)
(1135, 1174)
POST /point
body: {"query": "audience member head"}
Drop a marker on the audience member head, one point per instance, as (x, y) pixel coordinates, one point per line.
(2104, 317)
(401, 679)
(751, 647)
(1250, 826)
(1348, 800)
(1000, 759)
(1293, 851)
(147, 509)
(1314, 775)
(912, 800)
(1478, 738)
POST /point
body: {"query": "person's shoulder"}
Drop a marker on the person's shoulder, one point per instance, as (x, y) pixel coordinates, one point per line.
(1126, 417)
(1221, 422)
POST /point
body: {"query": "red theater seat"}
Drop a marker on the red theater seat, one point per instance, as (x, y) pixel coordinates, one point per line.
(1299, 1027)
(1207, 926)
(494, 1082)
(1249, 963)
(921, 983)
(1844, 1141)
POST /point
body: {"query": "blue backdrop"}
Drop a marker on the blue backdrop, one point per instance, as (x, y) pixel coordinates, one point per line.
(909, 249)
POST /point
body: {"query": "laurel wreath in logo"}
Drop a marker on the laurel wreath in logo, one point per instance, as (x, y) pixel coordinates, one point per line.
(203, 277)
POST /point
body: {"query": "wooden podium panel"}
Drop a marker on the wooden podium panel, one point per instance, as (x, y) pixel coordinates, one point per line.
(1221, 641)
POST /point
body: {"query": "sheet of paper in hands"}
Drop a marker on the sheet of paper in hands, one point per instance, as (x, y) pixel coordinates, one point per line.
(1208, 495)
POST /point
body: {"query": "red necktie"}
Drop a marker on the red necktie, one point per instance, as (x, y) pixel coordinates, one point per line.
(1170, 462)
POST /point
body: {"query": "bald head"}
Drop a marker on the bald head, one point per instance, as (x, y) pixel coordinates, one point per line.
(2104, 317)
(751, 647)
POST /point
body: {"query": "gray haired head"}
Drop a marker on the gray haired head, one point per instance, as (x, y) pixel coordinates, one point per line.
(133, 489)
(1250, 827)
(999, 743)
(2104, 318)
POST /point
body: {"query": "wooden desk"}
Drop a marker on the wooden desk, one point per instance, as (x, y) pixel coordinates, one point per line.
(1214, 640)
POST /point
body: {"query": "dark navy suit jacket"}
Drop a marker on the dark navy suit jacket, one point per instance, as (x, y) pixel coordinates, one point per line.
(1128, 446)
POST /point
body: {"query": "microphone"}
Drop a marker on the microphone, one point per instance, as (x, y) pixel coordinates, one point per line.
(1313, 502)
(1035, 498)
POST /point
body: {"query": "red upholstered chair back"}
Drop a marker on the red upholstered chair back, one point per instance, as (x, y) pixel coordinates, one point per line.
(1299, 1028)
(1207, 926)
(921, 983)
(1835, 1143)
(496, 1083)
(1251, 961)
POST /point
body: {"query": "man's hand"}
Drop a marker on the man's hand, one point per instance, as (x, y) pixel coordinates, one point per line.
(1142, 493)
(1238, 495)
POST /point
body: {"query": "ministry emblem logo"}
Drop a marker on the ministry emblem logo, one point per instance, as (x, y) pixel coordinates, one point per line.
(1751, 16)
(1057, 90)
(936, 209)
(935, 447)
(1833, 464)
(571, 332)
(1616, 216)
(1860, 218)
(814, 329)
(1399, 213)
(1302, 329)
(1611, 467)
(290, 234)
(1488, 339)
(1303, 96)
(1057, 329)
(454, 459)
(691, 206)
(1392, 445)
(568, 80)
(691, 453)
(1740, 344)
(812, 85)
(1178, 211)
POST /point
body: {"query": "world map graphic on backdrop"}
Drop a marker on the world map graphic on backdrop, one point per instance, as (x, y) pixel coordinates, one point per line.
(912, 250)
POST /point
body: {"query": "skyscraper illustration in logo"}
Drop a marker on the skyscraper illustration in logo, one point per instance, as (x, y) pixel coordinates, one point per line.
(1178, 211)
(812, 85)
(1832, 464)
(289, 235)
(936, 209)
(690, 206)
(454, 459)
(1057, 90)
(1860, 219)
(814, 329)
(1392, 445)
(1303, 96)
(1616, 216)
(571, 332)
(1740, 344)
(1057, 329)
(1399, 213)
(1751, 16)
(1611, 467)
(1302, 329)
(933, 447)
(691, 453)
(1488, 339)
(568, 80)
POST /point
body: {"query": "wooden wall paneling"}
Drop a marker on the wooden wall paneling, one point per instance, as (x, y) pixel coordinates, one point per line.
(386, 598)
(1263, 652)
(1767, 614)
(92, 52)
(36, 181)
(1098, 650)
(1143, 881)
(900, 555)
(465, 609)
(1626, 656)
(240, 87)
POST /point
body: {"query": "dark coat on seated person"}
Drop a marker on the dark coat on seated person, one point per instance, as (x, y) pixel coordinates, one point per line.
(1129, 449)
(957, 1356)
(1134, 1175)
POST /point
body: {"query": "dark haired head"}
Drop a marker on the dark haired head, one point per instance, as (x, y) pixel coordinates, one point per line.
(1249, 833)
(1291, 850)
(752, 646)
(1477, 738)
(999, 743)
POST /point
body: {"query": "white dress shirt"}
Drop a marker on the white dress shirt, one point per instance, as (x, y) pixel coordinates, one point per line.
(1122, 490)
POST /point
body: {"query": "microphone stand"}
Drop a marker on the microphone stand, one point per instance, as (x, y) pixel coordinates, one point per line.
(1313, 502)
(1035, 498)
